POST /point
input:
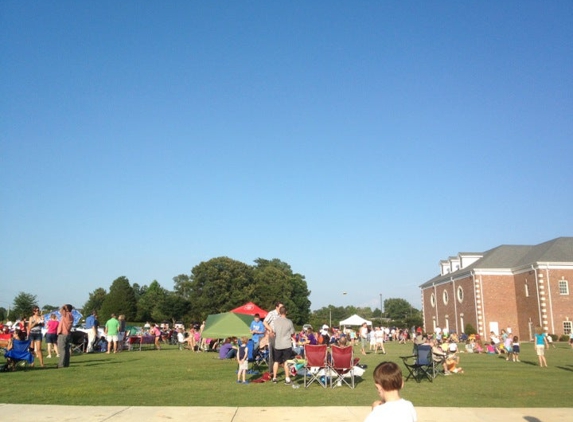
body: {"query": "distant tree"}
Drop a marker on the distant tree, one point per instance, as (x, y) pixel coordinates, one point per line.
(46, 309)
(183, 285)
(150, 303)
(173, 308)
(23, 305)
(139, 291)
(119, 300)
(219, 285)
(398, 309)
(274, 280)
(3, 314)
(470, 329)
(95, 301)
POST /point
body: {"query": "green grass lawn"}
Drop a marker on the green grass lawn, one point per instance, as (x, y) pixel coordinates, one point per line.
(171, 377)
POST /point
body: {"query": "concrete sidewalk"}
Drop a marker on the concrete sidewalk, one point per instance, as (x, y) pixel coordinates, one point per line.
(47, 413)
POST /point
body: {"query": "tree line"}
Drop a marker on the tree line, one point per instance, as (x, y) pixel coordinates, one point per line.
(220, 285)
(214, 286)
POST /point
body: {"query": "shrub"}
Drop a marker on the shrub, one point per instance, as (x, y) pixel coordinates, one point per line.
(564, 337)
(469, 330)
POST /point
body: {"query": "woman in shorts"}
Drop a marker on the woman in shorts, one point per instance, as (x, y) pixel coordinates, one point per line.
(52, 336)
(35, 324)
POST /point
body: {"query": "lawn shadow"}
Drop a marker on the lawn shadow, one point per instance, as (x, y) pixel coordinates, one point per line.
(566, 368)
(528, 362)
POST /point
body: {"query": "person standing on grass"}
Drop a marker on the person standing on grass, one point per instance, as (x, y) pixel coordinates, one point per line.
(92, 325)
(540, 345)
(111, 333)
(121, 332)
(515, 347)
(52, 335)
(391, 407)
(65, 335)
(243, 360)
(35, 324)
(363, 337)
(257, 330)
(284, 330)
(269, 323)
(155, 331)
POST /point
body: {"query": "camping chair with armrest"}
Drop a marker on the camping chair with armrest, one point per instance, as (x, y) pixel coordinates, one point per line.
(79, 342)
(438, 360)
(19, 354)
(342, 365)
(420, 365)
(316, 367)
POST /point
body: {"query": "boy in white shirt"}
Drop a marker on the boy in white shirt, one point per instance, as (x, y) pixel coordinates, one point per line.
(391, 407)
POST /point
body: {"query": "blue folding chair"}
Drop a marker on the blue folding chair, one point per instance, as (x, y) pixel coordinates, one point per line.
(19, 354)
(420, 364)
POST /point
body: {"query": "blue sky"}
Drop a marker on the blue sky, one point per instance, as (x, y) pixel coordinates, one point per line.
(360, 142)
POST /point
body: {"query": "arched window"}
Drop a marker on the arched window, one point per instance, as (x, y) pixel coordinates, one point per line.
(433, 300)
(460, 294)
(445, 297)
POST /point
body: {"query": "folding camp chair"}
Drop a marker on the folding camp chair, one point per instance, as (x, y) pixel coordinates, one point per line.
(342, 365)
(316, 368)
(420, 365)
(261, 357)
(79, 342)
(438, 364)
(19, 354)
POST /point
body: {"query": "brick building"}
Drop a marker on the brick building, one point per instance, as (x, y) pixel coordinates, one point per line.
(515, 286)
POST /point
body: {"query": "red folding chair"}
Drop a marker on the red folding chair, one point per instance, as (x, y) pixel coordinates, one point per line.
(342, 364)
(316, 368)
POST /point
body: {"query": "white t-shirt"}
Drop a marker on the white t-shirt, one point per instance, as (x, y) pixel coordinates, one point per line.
(395, 411)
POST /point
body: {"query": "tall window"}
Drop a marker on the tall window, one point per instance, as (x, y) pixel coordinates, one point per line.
(526, 290)
(460, 294)
(567, 327)
(563, 287)
(433, 300)
(445, 297)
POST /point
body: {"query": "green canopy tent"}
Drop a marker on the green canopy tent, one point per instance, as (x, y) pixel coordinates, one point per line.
(227, 324)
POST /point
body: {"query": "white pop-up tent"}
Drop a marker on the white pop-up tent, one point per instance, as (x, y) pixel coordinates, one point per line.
(355, 320)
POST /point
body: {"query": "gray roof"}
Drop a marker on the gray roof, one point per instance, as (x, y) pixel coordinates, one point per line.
(515, 256)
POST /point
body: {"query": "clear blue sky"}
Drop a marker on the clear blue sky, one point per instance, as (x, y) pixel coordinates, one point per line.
(360, 142)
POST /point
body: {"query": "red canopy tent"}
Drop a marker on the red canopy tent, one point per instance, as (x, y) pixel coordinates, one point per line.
(250, 309)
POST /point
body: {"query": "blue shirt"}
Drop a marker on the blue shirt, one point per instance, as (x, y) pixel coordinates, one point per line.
(90, 321)
(257, 326)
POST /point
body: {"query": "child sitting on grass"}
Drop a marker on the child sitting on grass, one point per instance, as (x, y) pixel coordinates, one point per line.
(391, 407)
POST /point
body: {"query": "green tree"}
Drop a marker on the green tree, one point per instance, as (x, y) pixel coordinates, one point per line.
(23, 305)
(46, 309)
(174, 308)
(3, 314)
(150, 303)
(219, 285)
(397, 309)
(119, 300)
(95, 301)
(139, 291)
(274, 280)
(183, 285)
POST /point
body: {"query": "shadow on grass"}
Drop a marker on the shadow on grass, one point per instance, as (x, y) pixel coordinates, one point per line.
(99, 362)
(529, 362)
(566, 368)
